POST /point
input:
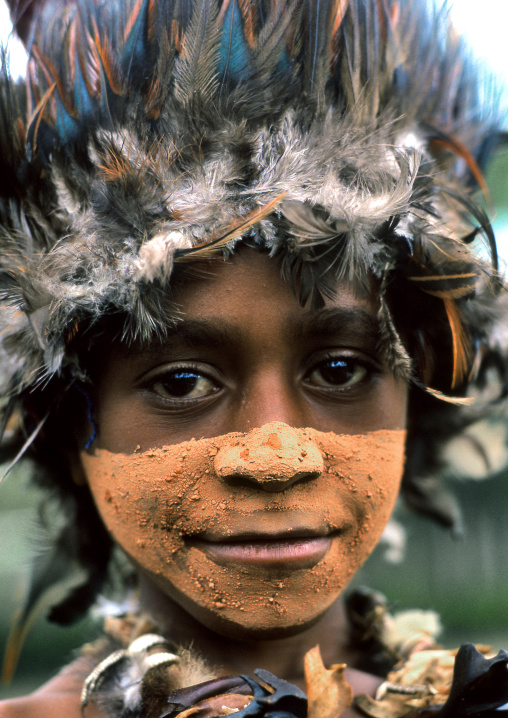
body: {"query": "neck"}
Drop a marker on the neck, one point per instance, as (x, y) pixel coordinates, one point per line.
(281, 656)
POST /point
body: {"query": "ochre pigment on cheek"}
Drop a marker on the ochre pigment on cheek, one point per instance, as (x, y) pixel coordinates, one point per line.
(276, 479)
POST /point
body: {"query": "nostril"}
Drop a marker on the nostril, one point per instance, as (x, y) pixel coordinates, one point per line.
(273, 456)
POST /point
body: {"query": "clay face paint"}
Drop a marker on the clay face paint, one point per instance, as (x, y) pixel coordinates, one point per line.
(258, 531)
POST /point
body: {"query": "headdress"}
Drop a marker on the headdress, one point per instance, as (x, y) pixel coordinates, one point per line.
(344, 137)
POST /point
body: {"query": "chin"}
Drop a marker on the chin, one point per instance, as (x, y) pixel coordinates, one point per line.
(254, 626)
(264, 609)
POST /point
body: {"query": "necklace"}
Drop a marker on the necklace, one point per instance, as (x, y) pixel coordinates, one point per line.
(140, 674)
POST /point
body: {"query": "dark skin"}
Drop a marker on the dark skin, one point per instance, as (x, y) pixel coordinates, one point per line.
(245, 354)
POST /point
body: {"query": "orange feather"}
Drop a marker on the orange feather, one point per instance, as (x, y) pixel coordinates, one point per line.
(461, 343)
(395, 14)
(453, 144)
(112, 71)
(39, 112)
(248, 10)
(114, 166)
(437, 277)
(53, 78)
(337, 16)
(176, 37)
(132, 19)
(152, 17)
(234, 230)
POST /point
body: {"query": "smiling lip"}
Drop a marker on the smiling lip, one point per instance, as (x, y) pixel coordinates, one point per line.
(268, 551)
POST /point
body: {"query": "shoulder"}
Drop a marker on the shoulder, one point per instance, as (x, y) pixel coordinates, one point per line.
(47, 705)
(42, 706)
(59, 698)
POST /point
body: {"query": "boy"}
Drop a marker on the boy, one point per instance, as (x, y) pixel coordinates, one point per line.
(238, 288)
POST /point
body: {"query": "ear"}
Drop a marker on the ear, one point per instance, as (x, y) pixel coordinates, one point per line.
(76, 469)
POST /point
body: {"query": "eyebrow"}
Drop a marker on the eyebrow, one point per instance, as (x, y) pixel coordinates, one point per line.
(336, 321)
(211, 332)
(196, 333)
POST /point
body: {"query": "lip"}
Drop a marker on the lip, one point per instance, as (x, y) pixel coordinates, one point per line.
(282, 551)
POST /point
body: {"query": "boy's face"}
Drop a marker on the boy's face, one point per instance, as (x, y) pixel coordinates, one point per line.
(255, 532)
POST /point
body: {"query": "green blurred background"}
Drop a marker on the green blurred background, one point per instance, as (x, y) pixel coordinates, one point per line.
(464, 580)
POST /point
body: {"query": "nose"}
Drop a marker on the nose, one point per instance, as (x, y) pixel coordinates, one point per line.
(272, 457)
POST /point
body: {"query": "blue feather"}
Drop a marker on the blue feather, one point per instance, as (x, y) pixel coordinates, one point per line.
(134, 50)
(234, 52)
(84, 102)
(67, 127)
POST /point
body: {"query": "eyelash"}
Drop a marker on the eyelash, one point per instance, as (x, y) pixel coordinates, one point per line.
(190, 369)
(343, 363)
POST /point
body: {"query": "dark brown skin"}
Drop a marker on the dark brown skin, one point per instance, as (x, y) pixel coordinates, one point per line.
(256, 356)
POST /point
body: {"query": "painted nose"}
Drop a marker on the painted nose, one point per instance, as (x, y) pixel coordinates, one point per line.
(273, 457)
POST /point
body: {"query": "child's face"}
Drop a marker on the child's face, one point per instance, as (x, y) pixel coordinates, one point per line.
(259, 531)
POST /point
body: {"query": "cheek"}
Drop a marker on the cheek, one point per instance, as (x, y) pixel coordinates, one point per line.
(149, 501)
(364, 473)
(154, 501)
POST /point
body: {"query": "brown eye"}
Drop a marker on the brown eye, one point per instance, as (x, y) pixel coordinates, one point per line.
(339, 373)
(183, 384)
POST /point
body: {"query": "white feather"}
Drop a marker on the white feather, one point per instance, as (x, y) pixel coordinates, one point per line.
(155, 257)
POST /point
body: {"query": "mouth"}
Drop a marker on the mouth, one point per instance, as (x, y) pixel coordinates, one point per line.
(270, 551)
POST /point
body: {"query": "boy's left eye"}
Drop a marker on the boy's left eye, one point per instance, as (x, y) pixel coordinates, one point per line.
(337, 373)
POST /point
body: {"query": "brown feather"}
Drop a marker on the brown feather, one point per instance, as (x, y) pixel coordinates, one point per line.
(235, 230)
(453, 144)
(337, 16)
(439, 277)
(152, 19)
(109, 64)
(53, 77)
(248, 10)
(461, 343)
(37, 116)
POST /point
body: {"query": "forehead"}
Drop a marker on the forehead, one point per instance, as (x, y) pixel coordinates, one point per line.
(250, 280)
(243, 304)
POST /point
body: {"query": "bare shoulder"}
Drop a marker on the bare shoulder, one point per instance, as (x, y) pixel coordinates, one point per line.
(59, 698)
(40, 706)
(47, 705)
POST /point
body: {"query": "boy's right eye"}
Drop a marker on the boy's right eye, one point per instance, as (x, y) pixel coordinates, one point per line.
(183, 384)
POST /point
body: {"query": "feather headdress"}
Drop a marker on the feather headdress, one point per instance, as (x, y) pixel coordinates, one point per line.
(156, 132)
(344, 137)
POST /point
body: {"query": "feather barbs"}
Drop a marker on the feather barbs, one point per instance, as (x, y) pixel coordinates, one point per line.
(237, 228)
(274, 120)
(155, 257)
(449, 288)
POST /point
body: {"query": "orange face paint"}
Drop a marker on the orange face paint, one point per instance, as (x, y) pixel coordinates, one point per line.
(254, 532)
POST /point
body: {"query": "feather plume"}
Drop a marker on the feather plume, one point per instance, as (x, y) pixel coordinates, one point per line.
(63, 583)
(197, 65)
